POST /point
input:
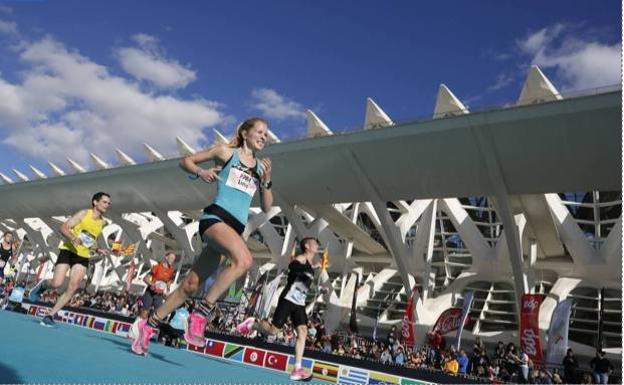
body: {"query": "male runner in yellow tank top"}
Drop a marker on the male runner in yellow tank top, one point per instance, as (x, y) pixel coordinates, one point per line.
(81, 232)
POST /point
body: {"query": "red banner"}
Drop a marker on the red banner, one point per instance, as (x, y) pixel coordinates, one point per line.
(529, 326)
(276, 361)
(254, 356)
(407, 330)
(449, 321)
(130, 275)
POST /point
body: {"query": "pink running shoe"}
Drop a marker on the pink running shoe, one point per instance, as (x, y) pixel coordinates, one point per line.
(245, 327)
(136, 346)
(145, 333)
(195, 332)
(300, 375)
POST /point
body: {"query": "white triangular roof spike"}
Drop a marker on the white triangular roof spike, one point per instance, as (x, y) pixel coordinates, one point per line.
(99, 163)
(271, 137)
(38, 173)
(21, 176)
(316, 127)
(75, 166)
(152, 154)
(183, 148)
(537, 88)
(447, 104)
(124, 158)
(5, 178)
(375, 116)
(56, 169)
(219, 138)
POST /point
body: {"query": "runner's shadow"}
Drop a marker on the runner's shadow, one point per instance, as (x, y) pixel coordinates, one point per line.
(8, 375)
(126, 347)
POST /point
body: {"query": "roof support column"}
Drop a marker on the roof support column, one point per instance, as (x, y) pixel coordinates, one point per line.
(511, 230)
(390, 231)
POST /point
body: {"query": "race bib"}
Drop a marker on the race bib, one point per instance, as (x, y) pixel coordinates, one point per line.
(242, 181)
(297, 293)
(86, 238)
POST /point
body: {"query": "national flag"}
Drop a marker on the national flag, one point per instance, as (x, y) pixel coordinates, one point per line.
(99, 324)
(382, 378)
(349, 375)
(116, 247)
(32, 310)
(325, 259)
(110, 326)
(89, 322)
(325, 371)
(276, 361)
(233, 352)
(306, 364)
(79, 319)
(195, 348)
(254, 356)
(214, 348)
(123, 327)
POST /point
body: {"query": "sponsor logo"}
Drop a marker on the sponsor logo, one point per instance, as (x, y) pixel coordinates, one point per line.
(530, 304)
(529, 338)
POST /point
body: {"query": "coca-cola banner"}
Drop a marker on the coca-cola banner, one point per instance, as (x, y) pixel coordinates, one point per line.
(407, 329)
(529, 326)
(448, 321)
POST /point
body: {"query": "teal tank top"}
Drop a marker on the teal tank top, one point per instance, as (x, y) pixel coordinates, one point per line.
(236, 187)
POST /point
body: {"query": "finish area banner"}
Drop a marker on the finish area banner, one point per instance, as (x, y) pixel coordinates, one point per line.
(529, 326)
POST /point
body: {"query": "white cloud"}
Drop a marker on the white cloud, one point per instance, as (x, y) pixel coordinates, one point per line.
(275, 106)
(147, 63)
(502, 81)
(68, 105)
(8, 27)
(5, 9)
(145, 40)
(579, 64)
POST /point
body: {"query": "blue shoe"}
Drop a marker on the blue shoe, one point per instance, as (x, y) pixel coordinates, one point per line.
(36, 291)
(47, 321)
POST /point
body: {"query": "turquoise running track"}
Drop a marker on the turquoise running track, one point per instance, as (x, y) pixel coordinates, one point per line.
(31, 353)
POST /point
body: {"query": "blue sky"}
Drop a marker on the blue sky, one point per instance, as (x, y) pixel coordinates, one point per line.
(79, 77)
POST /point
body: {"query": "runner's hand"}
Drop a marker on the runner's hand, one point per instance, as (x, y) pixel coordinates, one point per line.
(266, 168)
(210, 175)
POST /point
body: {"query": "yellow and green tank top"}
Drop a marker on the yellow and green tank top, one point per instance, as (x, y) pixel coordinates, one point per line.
(88, 229)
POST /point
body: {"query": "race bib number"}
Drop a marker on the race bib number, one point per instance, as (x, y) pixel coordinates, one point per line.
(86, 238)
(297, 293)
(242, 181)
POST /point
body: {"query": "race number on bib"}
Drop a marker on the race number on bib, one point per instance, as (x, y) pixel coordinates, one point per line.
(242, 181)
(87, 238)
(297, 294)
